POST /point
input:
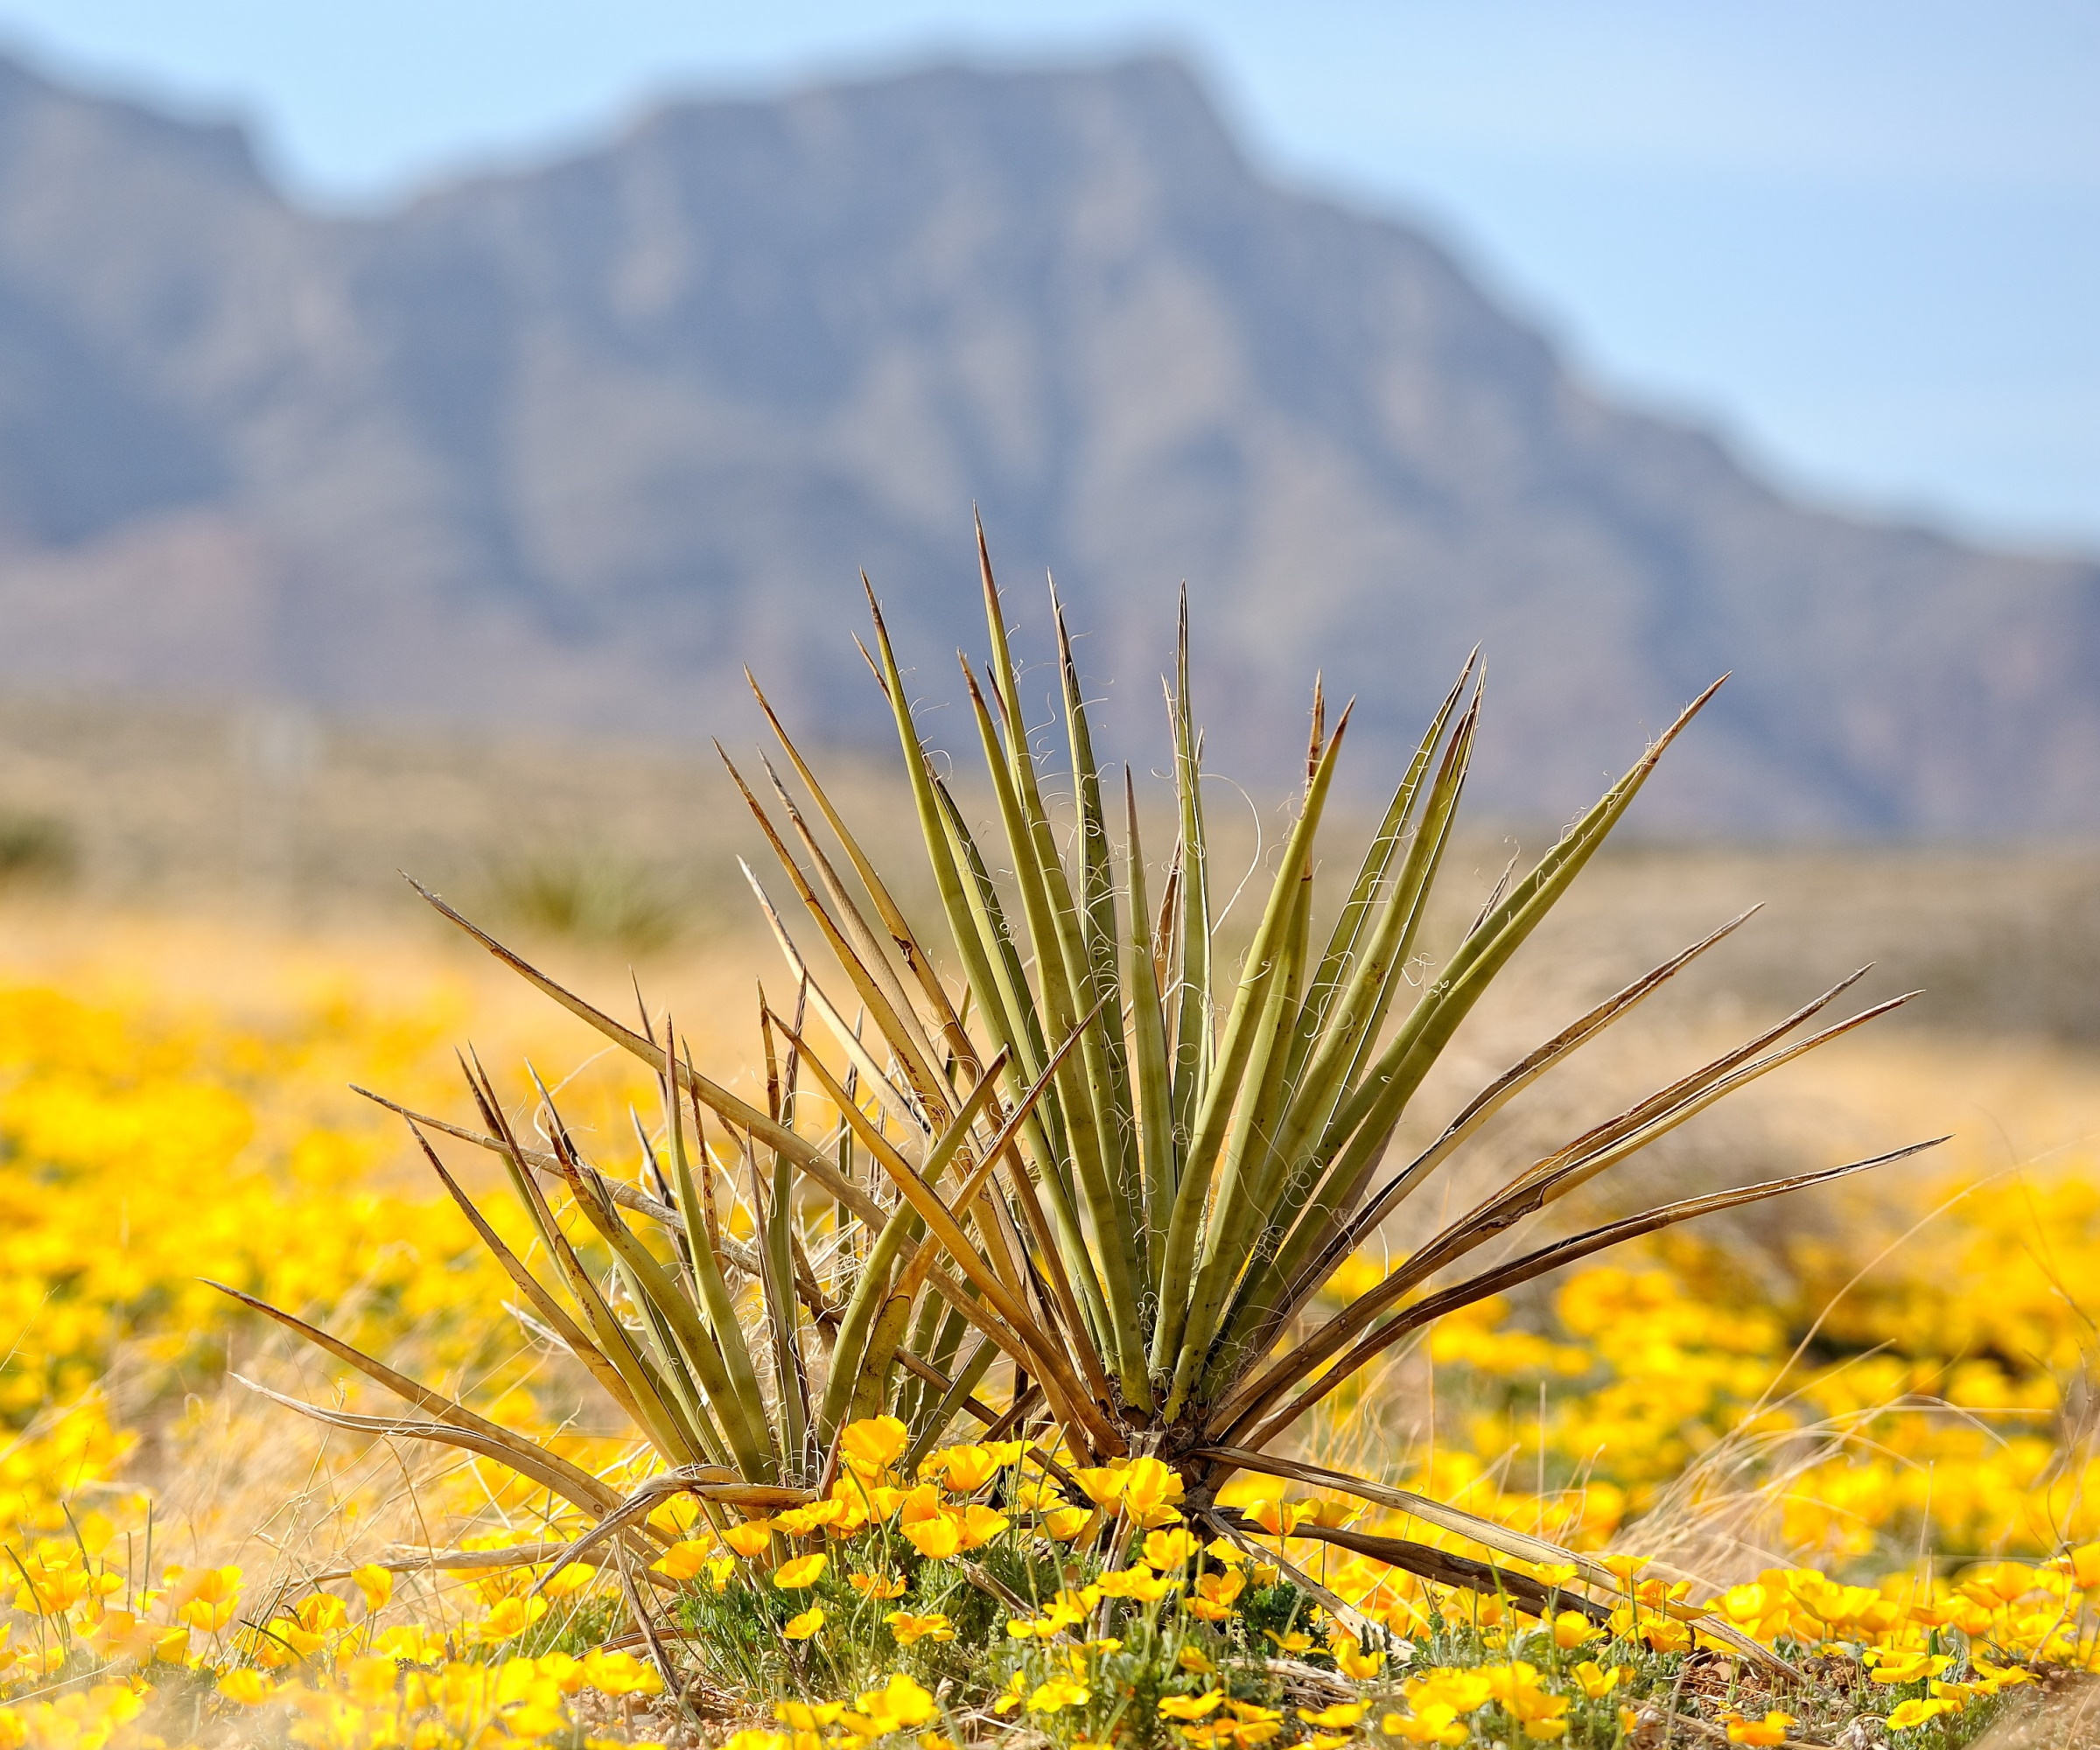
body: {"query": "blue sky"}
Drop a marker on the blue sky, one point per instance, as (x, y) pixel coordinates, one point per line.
(1861, 236)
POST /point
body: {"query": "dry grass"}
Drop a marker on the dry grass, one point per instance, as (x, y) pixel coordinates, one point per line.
(306, 819)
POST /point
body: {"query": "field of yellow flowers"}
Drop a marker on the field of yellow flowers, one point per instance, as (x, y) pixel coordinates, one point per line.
(1867, 1449)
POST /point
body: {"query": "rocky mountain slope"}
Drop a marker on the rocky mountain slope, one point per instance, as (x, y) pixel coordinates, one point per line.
(570, 444)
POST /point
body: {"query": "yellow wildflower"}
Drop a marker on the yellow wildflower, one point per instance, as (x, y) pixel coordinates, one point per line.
(1280, 1518)
(1435, 1722)
(212, 1595)
(1169, 1550)
(964, 1470)
(908, 1628)
(619, 1674)
(1055, 1694)
(899, 1704)
(250, 1689)
(800, 1572)
(1901, 1717)
(807, 1715)
(1905, 1668)
(937, 1537)
(871, 1446)
(685, 1559)
(1352, 1660)
(751, 1539)
(1065, 1523)
(1340, 1714)
(510, 1618)
(374, 1585)
(1138, 1583)
(977, 1525)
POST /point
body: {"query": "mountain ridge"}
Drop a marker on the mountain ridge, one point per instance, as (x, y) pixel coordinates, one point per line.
(568, 441)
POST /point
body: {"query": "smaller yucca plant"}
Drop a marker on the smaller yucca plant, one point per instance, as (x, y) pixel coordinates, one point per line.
(1071, 1176)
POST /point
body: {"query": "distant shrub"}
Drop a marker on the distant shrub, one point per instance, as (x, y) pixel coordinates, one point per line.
(596, 897)
(36, 851)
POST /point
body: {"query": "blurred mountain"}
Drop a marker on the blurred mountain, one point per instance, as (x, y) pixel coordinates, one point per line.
(568, 444)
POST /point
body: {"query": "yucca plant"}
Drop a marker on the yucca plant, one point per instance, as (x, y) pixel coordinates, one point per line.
(1070, 1175)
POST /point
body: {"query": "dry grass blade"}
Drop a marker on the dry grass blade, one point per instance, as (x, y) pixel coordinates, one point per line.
(719, 1099)
(456, 1561)
(703, 1484)
(1238, 1531)
(1520, 1544)
(541, 1162)
(1503, 1539)
(1440, 1566)
(873, 989)
(551, 1473)
(1522, 1269)
(550, 1311)
(900, 1104)
(572, 1482)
